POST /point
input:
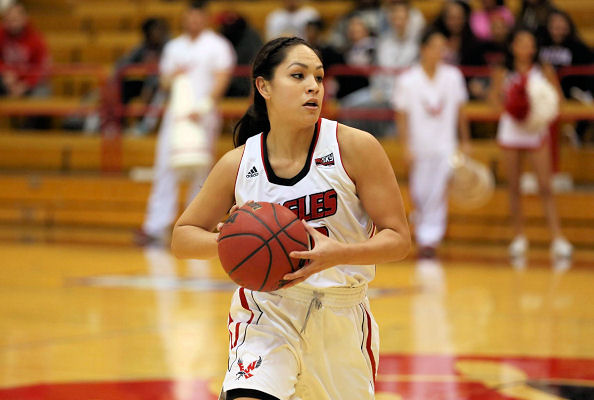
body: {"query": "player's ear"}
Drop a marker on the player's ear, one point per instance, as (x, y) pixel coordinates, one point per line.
(263, 87)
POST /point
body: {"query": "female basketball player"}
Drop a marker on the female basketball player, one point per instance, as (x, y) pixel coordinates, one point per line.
(516, 141)
(315, 338)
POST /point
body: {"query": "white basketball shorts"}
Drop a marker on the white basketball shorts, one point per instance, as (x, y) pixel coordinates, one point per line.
(303, 343)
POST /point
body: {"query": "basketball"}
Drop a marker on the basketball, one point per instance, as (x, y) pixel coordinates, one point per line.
(255, 243)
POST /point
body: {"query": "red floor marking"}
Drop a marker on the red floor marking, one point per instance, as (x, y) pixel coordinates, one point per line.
(411, 377)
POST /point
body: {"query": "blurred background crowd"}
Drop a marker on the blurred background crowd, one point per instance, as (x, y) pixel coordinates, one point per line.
(358, 34)
(93, 70)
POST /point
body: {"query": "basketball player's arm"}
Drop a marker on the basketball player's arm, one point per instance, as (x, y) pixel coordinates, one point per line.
(368, 165)
(464, 130)
(193, 235)
(402, 125)
(551, 75)
(221, 82)
(495, 96)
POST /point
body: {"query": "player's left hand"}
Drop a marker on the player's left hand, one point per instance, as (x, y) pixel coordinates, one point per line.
(466, 148)
(325, 254)
(195, 117)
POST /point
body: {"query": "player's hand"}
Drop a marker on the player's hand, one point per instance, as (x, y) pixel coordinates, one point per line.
(231, 211)
(409, 159)
(325, 254)
(195, 117)
(179, 71)
(466, 148)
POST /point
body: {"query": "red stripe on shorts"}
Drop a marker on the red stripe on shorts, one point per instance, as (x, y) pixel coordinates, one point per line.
(245, 305)
(368, 345)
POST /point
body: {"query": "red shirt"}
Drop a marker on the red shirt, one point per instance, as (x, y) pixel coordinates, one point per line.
(25, 53)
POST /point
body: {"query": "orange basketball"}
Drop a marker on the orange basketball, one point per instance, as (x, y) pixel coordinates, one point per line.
(255, 243)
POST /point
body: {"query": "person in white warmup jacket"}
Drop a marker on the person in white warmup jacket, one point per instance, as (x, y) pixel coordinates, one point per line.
(205, 60)
(428, 99)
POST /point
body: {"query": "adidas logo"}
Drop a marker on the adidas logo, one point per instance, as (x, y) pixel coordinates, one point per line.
(252, 173)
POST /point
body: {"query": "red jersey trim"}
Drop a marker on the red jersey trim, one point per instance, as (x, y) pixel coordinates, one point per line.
(340, 155)
(238, 168)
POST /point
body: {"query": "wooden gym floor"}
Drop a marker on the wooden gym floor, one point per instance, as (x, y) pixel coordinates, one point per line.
(94, 322)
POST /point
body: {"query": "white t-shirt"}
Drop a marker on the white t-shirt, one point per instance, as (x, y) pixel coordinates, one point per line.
(393, 52)
(284, 23)
(322, 193)
(204, 56)
(432, 106)
(511, 133)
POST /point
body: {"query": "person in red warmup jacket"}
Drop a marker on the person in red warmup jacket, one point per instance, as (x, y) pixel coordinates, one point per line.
(24, 57)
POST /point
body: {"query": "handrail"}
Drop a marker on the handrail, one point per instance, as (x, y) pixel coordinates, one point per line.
(112, 110)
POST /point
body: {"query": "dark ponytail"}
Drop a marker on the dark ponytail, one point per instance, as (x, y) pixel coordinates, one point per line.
(255, 120)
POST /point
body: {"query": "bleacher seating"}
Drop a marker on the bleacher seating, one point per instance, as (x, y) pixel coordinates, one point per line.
(53, 188)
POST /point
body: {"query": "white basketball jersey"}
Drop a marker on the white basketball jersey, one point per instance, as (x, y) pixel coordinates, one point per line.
(322, 194)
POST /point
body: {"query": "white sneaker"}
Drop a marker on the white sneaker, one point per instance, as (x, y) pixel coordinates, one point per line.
(561, 248)
(518, 246)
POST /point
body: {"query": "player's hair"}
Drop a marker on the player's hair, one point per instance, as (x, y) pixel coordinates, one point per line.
(255, 119)
(428, 34)
(198, 4)
(509, 55)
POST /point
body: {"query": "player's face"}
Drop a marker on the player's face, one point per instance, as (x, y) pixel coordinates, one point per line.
(558, 28)
(433, 51)
(195, 21)
(297, 89)
(15, 19)
(524, 47)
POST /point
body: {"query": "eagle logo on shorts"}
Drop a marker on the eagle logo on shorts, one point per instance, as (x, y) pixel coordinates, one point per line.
(247, 371)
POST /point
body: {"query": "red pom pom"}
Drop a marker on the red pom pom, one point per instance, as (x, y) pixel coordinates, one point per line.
(517, 103)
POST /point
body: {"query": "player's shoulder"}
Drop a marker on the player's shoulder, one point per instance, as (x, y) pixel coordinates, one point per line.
(234, 155)
(229, 162)
(178, 43)
(353, 141)
(451, 71)
(409, 75)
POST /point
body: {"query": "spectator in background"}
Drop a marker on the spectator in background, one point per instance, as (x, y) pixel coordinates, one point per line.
(354, 90)
(360, 52)
(289, 20)
(398, 48)
(428, 100)
(481, 21)
(24, 58)
(562, 47)
(463, 48)
(314, 36)
(367, 10)
(533, 15)
(415, 21)
(155, 33)
(246, 42)
(496, 46)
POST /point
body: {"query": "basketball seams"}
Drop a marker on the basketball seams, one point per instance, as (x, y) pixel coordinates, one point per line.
(266, 242)
(282, 230)
(275, 235)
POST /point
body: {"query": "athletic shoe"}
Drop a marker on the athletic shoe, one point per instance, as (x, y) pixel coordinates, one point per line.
(561, 248)
(518, 246)
(427, 252)
(141, 238)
